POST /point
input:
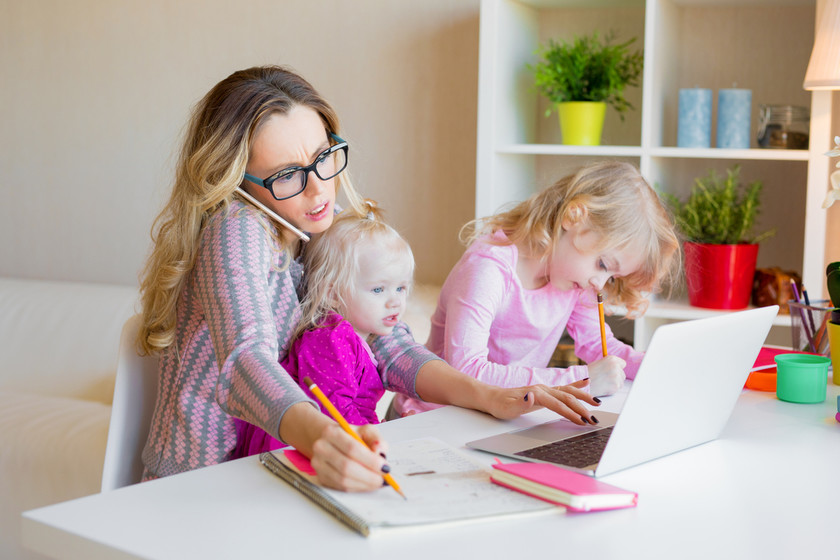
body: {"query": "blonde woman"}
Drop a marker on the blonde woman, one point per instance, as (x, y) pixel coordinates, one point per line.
(534, 271)
(260, 167)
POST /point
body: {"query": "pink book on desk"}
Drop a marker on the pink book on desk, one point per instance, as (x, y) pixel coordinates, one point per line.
(766, 355)
(557, 485)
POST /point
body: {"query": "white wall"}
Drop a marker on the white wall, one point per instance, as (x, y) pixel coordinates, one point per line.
(94, 95)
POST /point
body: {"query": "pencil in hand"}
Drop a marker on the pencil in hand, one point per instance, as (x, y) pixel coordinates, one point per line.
(601, 320)
(325, 402)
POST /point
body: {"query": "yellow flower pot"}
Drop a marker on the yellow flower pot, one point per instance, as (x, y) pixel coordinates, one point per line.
(581, 122)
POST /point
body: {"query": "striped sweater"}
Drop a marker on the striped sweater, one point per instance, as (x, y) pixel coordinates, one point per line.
(235, 316)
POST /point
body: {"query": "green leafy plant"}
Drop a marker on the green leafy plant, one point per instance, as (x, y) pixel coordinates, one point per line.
(719, 210)
(588, 69)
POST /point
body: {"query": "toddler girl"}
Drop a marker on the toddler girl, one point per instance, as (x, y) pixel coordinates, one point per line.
(358, 275)
(534, 270)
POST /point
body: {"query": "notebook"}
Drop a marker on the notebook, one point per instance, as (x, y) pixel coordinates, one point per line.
(443, 486)
(683, 394)
(553, 483)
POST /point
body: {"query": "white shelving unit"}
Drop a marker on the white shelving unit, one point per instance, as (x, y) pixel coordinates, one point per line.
(761, 45)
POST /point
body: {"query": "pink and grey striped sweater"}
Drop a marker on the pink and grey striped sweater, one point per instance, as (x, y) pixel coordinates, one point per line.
(235, 316)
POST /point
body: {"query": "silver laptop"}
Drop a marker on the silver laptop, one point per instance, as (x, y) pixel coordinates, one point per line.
(682, 396)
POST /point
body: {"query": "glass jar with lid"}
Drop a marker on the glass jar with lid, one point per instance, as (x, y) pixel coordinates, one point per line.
(783, 127)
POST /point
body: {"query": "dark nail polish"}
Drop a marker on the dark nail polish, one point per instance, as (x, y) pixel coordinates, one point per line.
(594, 420)
(384, 483)
(386, 468)
(525, 398)
(585, 379)
(382, 455)
(596, 399)
(585, 419)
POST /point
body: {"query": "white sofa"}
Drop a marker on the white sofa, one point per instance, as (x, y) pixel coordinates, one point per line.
(58, 351)
(58, 354)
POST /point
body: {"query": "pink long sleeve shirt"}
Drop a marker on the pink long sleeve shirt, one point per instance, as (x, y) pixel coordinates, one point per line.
(490, 327)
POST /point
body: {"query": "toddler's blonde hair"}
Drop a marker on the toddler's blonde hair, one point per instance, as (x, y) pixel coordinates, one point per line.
(331, 262)
(613, 200)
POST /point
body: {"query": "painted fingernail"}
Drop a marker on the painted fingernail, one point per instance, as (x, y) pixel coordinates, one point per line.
(386, 468)
(382, 455)
(384, 483)
(585, 379)
(594, 420)
(596, 399)
(585, 419)
(525, 398)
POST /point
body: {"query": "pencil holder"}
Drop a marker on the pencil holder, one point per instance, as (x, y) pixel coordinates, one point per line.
(809, 332)
(801, 378)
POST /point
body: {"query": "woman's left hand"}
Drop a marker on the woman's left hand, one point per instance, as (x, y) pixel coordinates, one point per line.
(566, 401)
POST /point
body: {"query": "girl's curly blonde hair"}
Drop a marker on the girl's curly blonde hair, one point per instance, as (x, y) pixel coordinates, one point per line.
(613, 200)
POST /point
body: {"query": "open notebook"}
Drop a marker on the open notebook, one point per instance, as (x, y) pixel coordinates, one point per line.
(442, 485)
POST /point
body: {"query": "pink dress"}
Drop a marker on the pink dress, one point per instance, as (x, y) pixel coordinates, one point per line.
(341, 363)
(490, 327)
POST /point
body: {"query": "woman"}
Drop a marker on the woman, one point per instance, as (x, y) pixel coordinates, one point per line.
(220, 300)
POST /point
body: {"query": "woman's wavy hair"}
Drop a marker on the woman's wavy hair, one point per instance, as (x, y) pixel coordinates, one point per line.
(613, 200)
(211, 165)
(331, 262)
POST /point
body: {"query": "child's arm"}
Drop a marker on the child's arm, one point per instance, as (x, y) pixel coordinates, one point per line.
(474, 299)
(334, 358)
(585, 329)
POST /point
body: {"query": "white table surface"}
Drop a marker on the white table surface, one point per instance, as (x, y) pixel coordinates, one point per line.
(768, 488)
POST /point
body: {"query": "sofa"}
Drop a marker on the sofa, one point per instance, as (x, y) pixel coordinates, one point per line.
(58, 355)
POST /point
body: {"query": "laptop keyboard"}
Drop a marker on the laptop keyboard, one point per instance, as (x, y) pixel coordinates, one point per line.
(577, 451)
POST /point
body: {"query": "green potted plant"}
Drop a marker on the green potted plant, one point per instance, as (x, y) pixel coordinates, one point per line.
(717, 222)
(581, 78)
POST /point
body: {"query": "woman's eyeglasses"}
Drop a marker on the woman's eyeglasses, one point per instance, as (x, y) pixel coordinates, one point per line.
(291, 181)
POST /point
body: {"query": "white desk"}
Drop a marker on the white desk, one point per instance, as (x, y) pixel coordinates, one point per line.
(769, 488)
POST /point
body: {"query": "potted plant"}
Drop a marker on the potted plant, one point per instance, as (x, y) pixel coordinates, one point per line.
(581, 78)
(717, 222)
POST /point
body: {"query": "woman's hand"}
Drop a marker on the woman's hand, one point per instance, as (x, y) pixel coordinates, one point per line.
(606, 376)
(340, 461)
(438, 382)
(566, 401)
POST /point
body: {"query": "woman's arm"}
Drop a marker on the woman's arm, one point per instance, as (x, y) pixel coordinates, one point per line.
(440, 383)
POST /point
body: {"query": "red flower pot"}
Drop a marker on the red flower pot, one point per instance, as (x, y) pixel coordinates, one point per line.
(719, 276)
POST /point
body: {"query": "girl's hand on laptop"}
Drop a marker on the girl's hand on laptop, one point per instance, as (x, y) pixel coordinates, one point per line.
(606, 376)
(566, 400)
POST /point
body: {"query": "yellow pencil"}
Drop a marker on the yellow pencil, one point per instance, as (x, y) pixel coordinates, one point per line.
(603, 328)
(322, 398)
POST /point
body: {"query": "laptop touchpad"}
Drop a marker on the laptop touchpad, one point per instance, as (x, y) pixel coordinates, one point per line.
(562, 428)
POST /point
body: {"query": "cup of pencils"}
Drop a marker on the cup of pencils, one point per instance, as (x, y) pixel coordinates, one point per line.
(809, 326)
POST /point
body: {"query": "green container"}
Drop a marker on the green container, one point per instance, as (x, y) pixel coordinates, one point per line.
(801, 378)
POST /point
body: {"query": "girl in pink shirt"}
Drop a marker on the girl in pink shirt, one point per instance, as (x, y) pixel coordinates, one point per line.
(533, 271)
(359, 274)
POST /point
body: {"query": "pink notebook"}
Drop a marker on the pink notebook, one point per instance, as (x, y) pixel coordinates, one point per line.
(557, 485)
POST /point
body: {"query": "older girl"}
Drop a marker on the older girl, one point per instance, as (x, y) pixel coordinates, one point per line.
(533, 271)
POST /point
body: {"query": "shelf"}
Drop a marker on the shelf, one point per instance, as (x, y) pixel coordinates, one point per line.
(564, 150)
(666, 152)
(686, 43)
(722, 153)
(679, 310)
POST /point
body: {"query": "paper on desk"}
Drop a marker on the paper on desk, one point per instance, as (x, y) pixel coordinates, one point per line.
(442, 484)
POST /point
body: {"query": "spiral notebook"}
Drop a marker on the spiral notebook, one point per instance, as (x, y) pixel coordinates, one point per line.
(442, 484)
